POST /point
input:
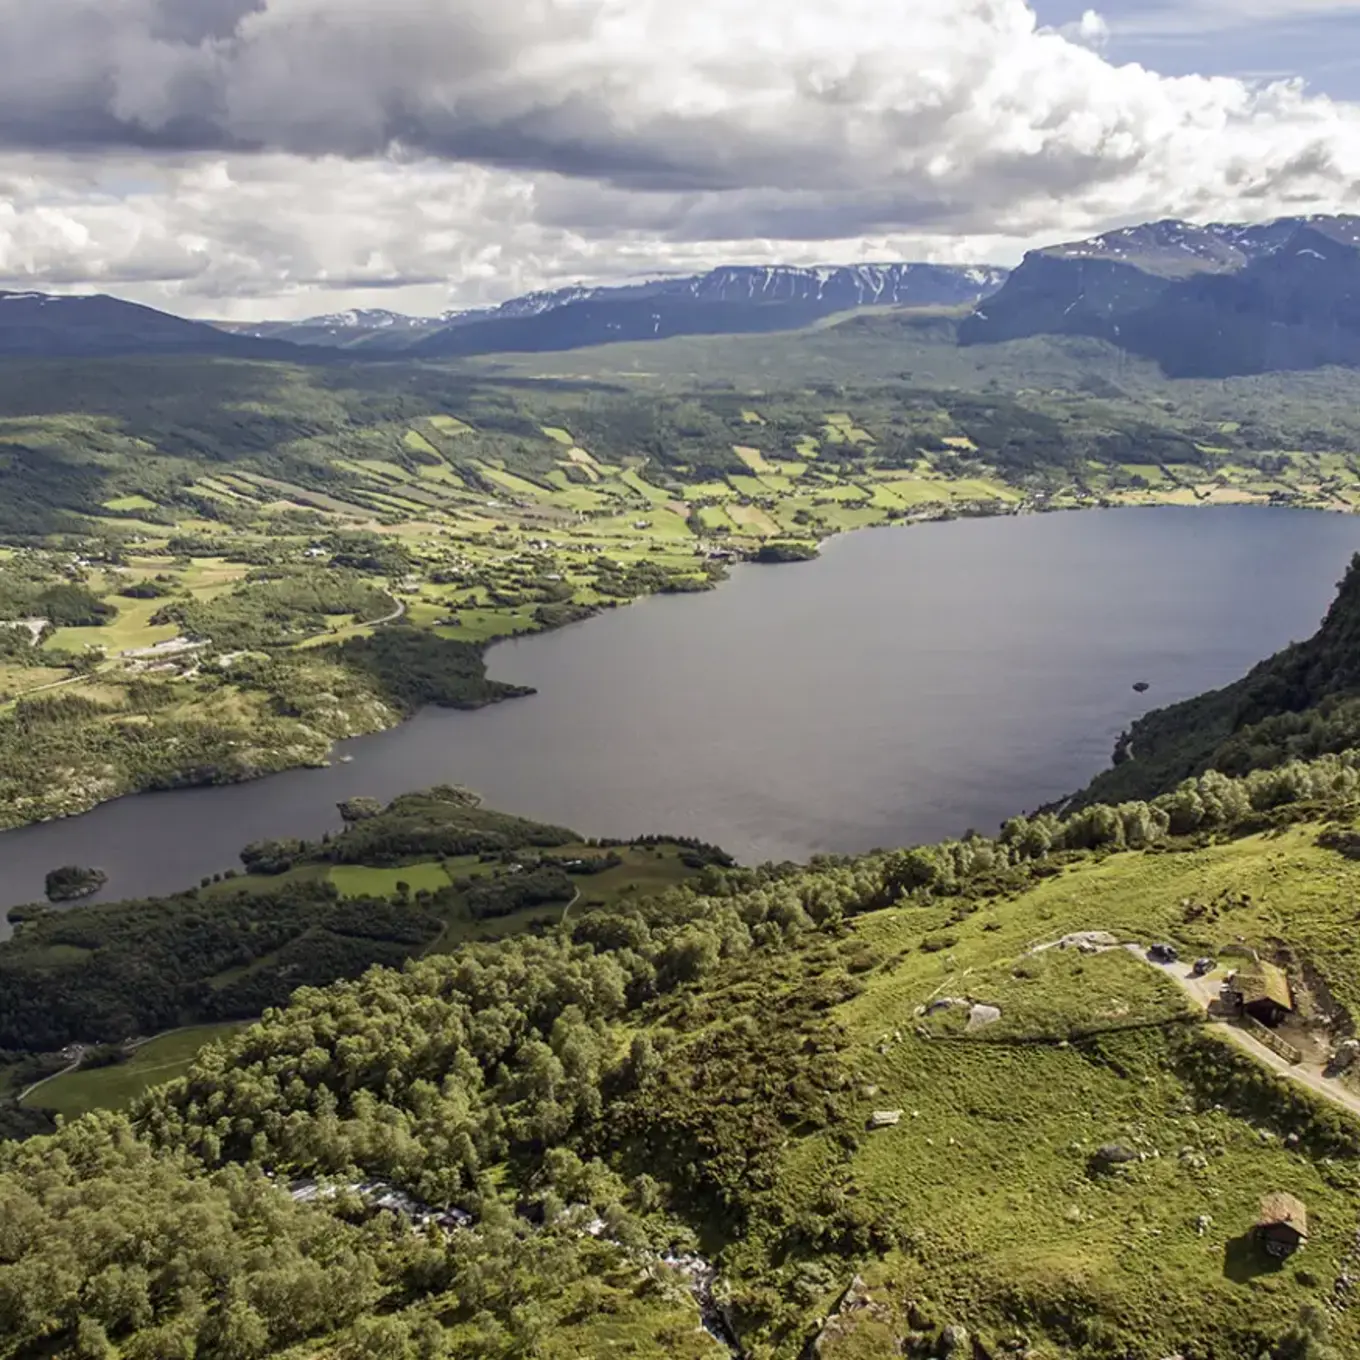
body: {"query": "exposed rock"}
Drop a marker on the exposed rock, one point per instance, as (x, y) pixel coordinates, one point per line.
(1087, 941)
(856, 1295)
(1347, 1051)
(1115, 1154)
(955, 1342)
(981, 1016)
(855, 1303)
(884, 1119)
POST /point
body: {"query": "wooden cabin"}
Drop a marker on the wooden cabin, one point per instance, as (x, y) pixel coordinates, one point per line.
(1282, 1227)
(1260, 990)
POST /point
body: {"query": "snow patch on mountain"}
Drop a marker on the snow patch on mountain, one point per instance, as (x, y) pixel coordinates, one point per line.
(839, 286)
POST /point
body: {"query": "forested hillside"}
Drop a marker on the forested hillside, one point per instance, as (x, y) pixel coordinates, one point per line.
(666, 1110)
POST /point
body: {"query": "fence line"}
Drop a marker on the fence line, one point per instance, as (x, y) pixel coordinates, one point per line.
(1267, 1036)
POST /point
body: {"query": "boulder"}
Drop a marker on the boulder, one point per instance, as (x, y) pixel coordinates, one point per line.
(885, 1119)
(955, 1342)
(944, 1003)
(1115, 1154)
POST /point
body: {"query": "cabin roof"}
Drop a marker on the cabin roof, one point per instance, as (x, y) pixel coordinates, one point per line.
(1265, 982)
(1282, 1210)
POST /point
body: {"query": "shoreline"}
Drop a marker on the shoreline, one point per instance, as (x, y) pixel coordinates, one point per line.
(944, 514)
(80, 809)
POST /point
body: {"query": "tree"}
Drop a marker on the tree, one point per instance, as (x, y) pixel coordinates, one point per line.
(360, 809)
(1307, 1338)
(72, 881)
(910, 871)
(92, 1341)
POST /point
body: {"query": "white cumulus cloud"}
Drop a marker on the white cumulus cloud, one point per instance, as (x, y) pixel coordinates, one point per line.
(283, 155)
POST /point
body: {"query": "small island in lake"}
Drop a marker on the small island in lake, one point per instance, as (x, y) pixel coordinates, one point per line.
(71, 882)
(1141, 686)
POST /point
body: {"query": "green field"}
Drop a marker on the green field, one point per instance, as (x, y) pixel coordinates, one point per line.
(645, 870)
(115, 1087)
(357, 881)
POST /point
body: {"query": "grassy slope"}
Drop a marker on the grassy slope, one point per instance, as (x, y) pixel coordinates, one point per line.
(989, 1175)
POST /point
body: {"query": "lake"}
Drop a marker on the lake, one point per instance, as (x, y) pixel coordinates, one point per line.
(910, 684)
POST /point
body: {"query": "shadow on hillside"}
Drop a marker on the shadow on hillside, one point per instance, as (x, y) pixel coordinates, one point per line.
(1243, 1260)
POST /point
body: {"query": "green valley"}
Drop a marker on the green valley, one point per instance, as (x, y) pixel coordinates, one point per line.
(212, 569)
(451, 1083)
(944, 1121)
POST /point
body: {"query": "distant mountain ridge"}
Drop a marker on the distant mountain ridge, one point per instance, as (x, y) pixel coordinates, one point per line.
(732, 299)
(1203, 301)
(39, 324)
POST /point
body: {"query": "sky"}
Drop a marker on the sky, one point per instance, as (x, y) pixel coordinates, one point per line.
(250, 159)
(1317, 41)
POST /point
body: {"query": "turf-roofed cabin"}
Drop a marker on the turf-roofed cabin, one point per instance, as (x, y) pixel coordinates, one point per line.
(1260, 990)
(1282, 1227)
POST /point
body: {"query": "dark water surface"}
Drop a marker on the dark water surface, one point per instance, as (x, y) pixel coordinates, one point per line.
(908, 685)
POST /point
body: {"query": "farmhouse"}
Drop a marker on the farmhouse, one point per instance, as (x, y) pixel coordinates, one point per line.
(1282, 1227)
(1260, 990)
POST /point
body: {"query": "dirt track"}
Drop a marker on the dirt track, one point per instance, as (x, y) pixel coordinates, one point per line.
(1203, 991)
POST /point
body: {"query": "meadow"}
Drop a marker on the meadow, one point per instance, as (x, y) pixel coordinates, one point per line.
(116, 1086)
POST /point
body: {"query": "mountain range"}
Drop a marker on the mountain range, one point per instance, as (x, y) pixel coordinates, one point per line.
(1203, 301)
(733, 299)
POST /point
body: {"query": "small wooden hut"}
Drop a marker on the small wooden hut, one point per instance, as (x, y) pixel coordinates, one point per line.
(1260, 990)
(1282, 1227)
